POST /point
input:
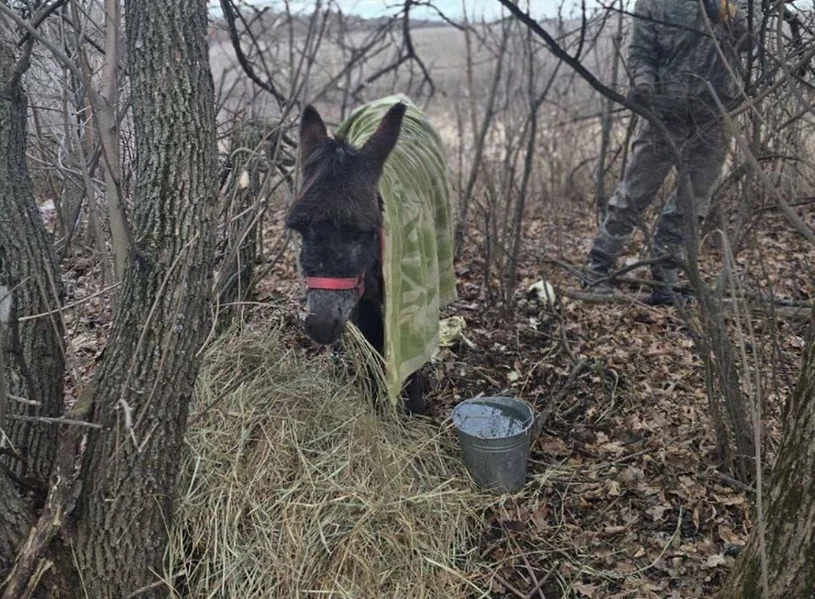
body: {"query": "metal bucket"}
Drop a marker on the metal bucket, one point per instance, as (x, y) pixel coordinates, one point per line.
(495, 433)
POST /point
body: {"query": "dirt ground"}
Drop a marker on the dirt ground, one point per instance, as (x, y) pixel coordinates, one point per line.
(624, 498)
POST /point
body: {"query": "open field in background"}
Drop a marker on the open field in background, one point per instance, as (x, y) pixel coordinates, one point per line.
(441, 47)
(569, 123)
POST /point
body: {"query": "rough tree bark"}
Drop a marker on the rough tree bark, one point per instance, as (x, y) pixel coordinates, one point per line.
(15, 521)
(790, 511)
(145, 380)
(34, 354)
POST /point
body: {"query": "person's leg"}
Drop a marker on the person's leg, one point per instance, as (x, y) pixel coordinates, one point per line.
(706, 156)
(648, 166)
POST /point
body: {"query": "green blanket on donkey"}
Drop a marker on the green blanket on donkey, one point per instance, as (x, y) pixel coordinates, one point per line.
(418, 262)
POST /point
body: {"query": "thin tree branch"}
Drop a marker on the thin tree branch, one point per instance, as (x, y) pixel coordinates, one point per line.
(58, 54)
(39, 18)
(230, 16)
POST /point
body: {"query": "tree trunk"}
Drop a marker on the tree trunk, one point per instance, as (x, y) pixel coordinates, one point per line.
(606, 122)
(33, 351)
(70, 207)
(15, 520)
(790, 511)
(107, 118)
(145, 381)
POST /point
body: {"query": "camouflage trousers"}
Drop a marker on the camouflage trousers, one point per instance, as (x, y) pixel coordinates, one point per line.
(651, 160)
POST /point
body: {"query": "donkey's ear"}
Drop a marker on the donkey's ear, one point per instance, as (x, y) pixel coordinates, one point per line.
(312, 131)
(380, 144)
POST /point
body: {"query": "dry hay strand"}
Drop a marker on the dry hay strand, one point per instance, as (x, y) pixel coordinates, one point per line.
(368, 369)
(293, 487)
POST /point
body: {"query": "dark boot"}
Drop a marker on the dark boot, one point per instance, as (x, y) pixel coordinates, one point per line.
(661, 296)
(596, 279)
(670, 294)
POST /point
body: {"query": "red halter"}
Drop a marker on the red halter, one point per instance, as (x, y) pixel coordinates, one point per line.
(335, 284)
(347, 284)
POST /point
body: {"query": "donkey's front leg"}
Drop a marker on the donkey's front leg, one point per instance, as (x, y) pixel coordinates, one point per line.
(372, 326)
(368, 318)
(415, 402)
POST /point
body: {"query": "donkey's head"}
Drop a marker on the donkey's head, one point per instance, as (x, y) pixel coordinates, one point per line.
(339, 218)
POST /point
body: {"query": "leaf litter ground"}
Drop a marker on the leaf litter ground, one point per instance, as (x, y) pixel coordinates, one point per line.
(624, 498)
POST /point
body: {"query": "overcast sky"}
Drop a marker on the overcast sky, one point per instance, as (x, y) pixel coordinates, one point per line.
(489, 9)
(481, 8)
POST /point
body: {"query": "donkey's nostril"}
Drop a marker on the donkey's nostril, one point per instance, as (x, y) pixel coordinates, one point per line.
(324, 331)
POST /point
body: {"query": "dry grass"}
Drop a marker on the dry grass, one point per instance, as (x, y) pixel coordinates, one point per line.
(294, 487)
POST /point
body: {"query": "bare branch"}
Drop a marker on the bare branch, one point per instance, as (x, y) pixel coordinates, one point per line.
(231, 15)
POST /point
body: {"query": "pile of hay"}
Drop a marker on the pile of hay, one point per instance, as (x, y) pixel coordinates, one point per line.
(292, 487)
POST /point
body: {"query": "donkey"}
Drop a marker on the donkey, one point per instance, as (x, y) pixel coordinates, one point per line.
(339, 217)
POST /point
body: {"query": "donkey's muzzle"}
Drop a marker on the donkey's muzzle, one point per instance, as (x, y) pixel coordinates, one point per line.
(328, 311)
(325, 331)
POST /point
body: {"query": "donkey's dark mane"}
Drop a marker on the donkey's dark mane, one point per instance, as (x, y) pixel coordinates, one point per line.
(329, 159)
(338, 180)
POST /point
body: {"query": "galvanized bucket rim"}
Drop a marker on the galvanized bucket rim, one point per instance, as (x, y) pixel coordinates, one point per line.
(528, 422)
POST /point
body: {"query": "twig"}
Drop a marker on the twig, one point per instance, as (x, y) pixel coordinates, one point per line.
(647, 283)
(230, 18)
(27, 43)
(153, 585)
(457, 574)
(23, 400)
(735, 483)
(58, 54)
(616, 576)
(492, 547)
(509, 586)
(570, 268)
(542, 582)
(62, 495)
(71, 305)
(630, 456)
(665, 548)
(606, 298)
(48, 420)
(618, 273)
(537, 588)
(4, 395)
(409, 55)
(564, 340)
(579, 369)
(481, 139)
(411, 51)
(615, 276)
(559, 52)
(800, 226)
(5, 309)
(794, 312)
(39, 18)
